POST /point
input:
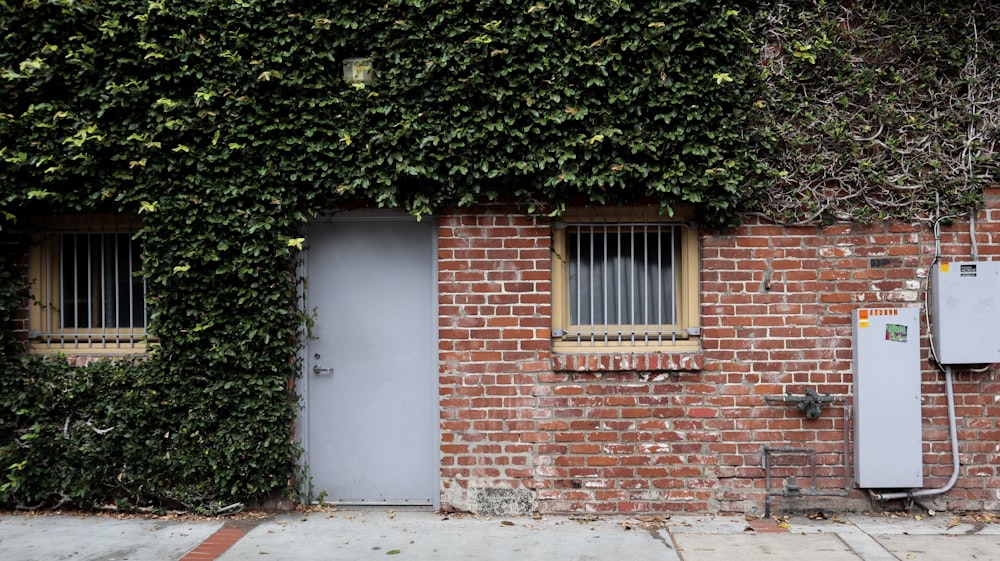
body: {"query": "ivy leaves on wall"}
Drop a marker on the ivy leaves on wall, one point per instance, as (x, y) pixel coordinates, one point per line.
(141, 101)
(547, 102)
(226, 123)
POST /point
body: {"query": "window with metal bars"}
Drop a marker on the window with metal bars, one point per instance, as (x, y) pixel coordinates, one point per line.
(87, 294)
(624, 278)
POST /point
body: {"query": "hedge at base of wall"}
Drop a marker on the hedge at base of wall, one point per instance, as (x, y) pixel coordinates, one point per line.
(127, 433)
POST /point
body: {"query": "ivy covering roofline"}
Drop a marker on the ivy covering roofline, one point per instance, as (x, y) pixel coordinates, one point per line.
(153, 102)
(227, 124)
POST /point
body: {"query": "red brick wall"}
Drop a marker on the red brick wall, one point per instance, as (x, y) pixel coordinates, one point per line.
(686, 432)
(495, 309)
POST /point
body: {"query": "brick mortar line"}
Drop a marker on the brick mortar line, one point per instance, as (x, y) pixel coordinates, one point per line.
(217, 544)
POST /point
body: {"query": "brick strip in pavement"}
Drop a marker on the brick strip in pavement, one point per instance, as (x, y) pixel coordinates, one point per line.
(216, 544)
(767, 526)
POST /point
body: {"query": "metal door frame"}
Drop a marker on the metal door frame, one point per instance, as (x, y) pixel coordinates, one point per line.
(302, 429)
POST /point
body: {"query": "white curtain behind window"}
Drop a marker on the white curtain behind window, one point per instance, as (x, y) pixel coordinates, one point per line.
(621, 276)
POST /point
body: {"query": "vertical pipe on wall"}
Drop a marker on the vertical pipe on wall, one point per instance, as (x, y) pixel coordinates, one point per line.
(953, 433)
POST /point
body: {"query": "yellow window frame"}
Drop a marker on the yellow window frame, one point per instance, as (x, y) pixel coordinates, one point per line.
(681, 336)
(46, 333)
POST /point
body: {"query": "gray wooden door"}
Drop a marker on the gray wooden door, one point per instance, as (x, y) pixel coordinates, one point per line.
(370, 382)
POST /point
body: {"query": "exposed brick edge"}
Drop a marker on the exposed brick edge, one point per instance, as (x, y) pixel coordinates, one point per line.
(767, 526)
(627, 362)
(216, 544)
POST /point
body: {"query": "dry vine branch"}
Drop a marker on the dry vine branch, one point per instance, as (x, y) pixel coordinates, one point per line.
(873, 110)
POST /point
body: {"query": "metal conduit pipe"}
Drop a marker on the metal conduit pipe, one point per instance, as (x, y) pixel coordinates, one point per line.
(953, 432)
(846, 411)
(812, 491)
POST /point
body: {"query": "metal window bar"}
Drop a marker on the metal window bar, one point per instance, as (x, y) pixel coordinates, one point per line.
(619, 290)
(100, 302)
(675, 270)
(647, 302)
(110, 289)
(590, 301)
(604, 281)
(47, 310)
(621, 271)
(632, 317)
(659, 281)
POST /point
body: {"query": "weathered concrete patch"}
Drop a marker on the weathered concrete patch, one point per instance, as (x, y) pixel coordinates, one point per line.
(773, 547)
(951, 547)
(499, 501)
(36, 538)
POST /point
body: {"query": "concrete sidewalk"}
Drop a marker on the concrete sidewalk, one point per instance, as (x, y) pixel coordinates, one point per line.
(375, 533)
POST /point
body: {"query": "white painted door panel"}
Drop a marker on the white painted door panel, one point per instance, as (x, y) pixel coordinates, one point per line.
(371, 365)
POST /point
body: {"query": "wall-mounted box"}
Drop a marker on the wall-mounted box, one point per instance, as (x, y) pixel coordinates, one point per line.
(965, 312)
(888, 433)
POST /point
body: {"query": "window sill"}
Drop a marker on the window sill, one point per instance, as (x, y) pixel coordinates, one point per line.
(89, 351)
(591, 361)
(88, 347)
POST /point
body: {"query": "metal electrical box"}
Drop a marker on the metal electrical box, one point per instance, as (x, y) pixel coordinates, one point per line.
(888, 436)
(965, 307)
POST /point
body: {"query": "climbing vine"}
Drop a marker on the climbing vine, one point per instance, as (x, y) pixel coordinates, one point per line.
(875, 110)
(226, 124)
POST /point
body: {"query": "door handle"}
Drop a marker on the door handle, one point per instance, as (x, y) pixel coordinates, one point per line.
(322, 371)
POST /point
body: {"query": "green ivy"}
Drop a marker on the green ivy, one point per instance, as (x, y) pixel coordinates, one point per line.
(127, 432)
(196, 105)
(226, 124)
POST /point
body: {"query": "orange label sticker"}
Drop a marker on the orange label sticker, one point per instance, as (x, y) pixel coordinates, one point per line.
(885, 312)
(945, 267)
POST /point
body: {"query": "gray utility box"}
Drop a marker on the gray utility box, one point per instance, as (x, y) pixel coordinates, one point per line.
(888, 436)
(965, 311)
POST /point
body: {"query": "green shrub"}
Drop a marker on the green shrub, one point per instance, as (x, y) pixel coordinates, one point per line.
(129, 431)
